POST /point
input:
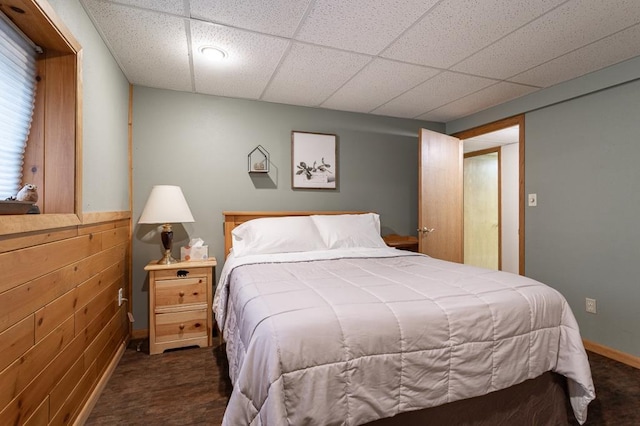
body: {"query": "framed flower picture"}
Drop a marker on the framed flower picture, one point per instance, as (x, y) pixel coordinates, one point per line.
(314, 158)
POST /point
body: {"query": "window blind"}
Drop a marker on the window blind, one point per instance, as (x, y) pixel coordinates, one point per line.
(17, 96)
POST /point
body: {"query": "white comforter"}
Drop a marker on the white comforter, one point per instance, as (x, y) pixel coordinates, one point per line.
(317, 338)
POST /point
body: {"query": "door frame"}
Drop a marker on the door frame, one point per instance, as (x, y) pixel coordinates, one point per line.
(517, 120)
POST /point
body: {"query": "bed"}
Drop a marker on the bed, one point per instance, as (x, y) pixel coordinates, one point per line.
(324, 324)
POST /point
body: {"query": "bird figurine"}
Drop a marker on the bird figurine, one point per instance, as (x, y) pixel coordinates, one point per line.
(29, 192)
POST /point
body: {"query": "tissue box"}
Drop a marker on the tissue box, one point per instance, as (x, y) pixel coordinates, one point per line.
(189, 253)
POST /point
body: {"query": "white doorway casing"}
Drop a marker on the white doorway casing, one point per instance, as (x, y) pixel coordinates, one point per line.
(510, 212)
(508, 135)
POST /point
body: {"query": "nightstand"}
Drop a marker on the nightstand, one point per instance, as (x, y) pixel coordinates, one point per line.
(180, 297)
(402, 242)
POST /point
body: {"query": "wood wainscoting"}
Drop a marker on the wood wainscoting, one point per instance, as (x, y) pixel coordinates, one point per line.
(60, 323)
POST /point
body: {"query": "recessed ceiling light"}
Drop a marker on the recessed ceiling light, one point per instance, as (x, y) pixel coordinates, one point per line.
(213, 52)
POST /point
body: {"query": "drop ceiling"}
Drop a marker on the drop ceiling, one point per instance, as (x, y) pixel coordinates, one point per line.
(424, 59)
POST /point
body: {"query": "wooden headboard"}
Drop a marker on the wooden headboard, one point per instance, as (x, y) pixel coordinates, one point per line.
(233, 219)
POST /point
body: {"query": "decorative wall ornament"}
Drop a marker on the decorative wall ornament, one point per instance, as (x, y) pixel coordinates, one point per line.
(258, 160)
(314, 158)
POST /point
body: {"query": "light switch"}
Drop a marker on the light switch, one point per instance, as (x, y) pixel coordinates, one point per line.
(533, 200)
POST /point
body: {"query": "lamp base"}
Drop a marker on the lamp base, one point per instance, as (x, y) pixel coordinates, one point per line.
(167, 238)
(167, 259)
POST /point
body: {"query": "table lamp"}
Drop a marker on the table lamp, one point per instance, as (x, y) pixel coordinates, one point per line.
(166, 205)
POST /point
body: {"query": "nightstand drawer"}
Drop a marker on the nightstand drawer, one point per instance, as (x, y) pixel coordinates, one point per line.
(181, 291)
(182, 273)
(181, 325)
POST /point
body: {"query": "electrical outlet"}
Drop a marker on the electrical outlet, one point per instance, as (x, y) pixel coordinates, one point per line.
(120, 297)
(590, 305)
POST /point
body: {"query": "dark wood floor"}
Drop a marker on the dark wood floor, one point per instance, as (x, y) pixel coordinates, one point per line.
(178, 387)
(191, 387)
(617, 400)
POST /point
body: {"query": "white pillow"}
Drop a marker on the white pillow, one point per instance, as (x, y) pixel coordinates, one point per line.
(276, 235)
(350, 230)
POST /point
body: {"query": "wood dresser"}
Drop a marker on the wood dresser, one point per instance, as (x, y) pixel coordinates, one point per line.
(180, 301)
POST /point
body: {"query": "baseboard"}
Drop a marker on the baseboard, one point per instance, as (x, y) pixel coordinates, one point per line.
(139, 334)
(84, 414)
(614, 354)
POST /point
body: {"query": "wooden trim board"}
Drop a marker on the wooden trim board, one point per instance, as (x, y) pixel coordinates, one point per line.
(19, 224)
(614, 354)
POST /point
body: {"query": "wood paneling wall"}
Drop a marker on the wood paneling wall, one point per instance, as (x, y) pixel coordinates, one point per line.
(60, 323)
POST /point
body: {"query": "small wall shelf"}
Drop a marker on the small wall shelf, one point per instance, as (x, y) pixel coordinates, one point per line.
(258, 160)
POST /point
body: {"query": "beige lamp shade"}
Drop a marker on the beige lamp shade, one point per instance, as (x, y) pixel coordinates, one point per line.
(166, 204)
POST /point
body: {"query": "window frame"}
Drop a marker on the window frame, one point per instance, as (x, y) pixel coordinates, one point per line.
(56, 129)
(18, 84)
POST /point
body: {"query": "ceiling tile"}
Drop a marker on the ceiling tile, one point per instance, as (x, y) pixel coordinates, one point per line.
(252, 59)
(379, 82)
(456, 29)
(485, 98)
(310, 74)
(570, 26)
(156, 58)
(440, 90)
(272, 17)
(406, 58)
(175, 7)
(608, 51)
(364, 27)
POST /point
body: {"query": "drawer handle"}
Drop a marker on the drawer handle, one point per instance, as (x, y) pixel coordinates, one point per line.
(181, 326)
(182, 273)
(181, 294)
(197, 325)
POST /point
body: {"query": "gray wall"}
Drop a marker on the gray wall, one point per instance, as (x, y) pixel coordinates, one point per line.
(105, 109)
(582, 152)
(201, 143)
(583, 238)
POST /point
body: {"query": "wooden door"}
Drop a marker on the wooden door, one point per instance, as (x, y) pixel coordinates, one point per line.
(440, 199)
(482, 219)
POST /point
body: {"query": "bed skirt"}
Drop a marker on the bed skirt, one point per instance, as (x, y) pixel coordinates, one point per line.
(535, 402)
